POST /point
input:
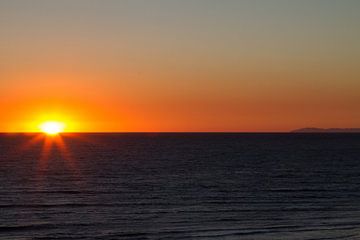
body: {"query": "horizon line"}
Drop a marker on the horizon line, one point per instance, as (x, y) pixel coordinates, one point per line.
(183, 132)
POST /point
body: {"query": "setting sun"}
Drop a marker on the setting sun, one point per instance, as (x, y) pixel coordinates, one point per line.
(52, 127)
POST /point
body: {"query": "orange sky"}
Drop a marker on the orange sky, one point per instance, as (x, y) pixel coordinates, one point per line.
(179, 66)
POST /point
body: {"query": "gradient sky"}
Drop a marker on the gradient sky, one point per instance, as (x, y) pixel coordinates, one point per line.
(184, 65)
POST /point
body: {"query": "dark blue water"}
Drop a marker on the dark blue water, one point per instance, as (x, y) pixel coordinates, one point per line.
(181, 186)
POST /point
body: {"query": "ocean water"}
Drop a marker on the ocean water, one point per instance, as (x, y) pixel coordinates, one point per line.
(180, 186)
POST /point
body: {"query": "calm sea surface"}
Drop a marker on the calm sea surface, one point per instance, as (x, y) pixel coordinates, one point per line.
(180, 186)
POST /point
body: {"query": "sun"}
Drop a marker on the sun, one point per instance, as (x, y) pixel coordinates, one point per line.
(52, 127)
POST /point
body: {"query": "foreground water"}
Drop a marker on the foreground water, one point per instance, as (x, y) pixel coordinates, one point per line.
(180, 186)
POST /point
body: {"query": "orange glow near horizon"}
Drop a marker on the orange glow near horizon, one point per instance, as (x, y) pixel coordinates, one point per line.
(71, 99)
(84, 105)
(79, 100)
(52, 127)
(50, 123)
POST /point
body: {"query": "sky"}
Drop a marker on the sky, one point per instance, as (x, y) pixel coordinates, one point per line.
(179, 65)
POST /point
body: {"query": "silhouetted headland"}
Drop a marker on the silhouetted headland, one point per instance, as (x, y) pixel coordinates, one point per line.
(327, 130)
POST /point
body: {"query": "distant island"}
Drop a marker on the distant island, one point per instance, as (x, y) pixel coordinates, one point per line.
(327, 130)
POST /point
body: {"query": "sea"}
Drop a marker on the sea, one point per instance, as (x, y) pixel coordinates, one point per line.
(257, 186)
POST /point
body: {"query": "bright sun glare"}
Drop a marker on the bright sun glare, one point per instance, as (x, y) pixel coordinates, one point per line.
(52, 127)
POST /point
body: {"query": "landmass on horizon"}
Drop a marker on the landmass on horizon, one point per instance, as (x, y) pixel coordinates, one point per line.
(327, 130)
